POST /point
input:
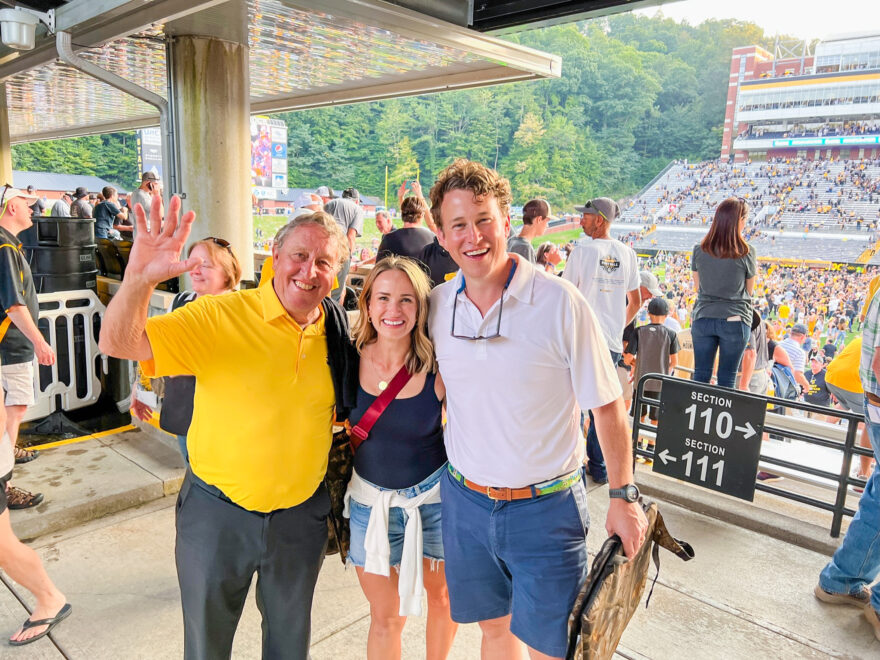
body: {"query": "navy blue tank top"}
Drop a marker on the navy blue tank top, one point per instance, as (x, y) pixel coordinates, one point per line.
(405, 445)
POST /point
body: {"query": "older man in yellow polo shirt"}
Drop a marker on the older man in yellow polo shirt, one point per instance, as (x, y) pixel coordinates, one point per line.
(272, 366)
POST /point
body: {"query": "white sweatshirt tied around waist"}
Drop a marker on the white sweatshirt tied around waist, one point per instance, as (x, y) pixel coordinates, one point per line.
(410, 584)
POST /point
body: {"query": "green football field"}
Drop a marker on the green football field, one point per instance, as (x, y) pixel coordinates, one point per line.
(270, 224)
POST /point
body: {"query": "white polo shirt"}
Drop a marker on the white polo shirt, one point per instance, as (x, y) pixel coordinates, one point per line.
(605, 270)
(513, 402)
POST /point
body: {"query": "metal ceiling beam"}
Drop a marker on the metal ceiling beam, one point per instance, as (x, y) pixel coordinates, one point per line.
(377, 92)
(421, 27)
(93, 22)
(457, 12)
(477, 77)
(500, 16)
(89, 129)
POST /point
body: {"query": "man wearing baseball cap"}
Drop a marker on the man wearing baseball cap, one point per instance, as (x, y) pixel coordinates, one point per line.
(818, 392)
(349, 215)
(39, 206)
(607, 273)
(19, 336)
(61, 208)
(793, 346)
(307, 203)
(649, 285)
(150, 186)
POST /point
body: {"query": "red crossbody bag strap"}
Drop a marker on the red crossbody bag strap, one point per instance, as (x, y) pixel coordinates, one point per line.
(361, 430)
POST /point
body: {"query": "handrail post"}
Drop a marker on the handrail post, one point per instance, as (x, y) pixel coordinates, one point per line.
(842, 483)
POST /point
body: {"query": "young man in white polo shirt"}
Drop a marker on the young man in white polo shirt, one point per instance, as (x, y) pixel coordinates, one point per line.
(514, 501)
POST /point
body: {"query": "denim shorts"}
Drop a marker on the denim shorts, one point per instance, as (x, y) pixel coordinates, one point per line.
(432, 537)
(527, 558)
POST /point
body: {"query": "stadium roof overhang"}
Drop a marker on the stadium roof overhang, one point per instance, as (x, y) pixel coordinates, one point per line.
(303, 54)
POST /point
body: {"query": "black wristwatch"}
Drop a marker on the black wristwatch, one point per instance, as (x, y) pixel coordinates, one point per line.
(630, 493)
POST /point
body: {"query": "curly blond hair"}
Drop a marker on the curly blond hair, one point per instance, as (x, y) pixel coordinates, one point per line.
(466, 174)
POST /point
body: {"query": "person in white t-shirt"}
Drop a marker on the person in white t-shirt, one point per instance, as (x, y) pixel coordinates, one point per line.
(607, 272)
(514, 498)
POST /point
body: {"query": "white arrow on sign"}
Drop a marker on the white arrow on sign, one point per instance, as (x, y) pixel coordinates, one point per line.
(665, 457)
(748, 430)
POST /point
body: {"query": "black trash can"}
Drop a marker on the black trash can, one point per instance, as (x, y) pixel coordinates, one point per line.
(62, 254)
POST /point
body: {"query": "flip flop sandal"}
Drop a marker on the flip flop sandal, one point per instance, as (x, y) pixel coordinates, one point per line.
(25, 455)
(63, 613)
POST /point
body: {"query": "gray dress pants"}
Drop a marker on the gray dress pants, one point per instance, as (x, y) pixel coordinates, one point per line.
(219, 548)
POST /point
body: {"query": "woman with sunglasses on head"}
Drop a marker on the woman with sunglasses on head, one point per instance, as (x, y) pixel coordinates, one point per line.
(393, 500)
(219, 273)
(724, 268)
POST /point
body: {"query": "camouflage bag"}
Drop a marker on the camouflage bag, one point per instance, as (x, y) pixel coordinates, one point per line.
(614, 589)
(340, 464)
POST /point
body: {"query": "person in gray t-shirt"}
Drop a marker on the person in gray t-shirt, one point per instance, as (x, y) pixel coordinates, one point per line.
(724, 268)
(350, 216)
(536, 217)
(143, 195)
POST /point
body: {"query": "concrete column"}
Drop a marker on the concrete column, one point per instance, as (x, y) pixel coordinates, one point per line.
(210, 85)
(5, 146)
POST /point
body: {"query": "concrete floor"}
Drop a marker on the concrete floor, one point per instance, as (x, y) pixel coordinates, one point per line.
(744, 596)
(106, 535)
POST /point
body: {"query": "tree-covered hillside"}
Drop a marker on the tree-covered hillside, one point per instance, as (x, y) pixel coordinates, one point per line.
(635, 93)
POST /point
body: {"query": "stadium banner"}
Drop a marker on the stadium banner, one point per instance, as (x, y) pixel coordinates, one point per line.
(263, 192)
(828, 141)
(149, 146)
(268, 153)
(849, 268)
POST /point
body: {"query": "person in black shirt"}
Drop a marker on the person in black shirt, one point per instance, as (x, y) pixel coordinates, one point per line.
(818, 392)
(439, 264)
(19, 336)
(409, 240)
(38, 207)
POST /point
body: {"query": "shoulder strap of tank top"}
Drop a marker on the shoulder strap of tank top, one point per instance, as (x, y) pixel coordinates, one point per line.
(361, 430)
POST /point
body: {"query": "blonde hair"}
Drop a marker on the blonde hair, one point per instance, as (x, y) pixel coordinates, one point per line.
(223, 256)
(420, 357)
(469, 175)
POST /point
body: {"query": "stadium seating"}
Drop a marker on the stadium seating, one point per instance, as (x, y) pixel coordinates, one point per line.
(802, 209)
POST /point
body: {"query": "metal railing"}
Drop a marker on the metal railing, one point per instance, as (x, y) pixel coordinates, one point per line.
(788, 428)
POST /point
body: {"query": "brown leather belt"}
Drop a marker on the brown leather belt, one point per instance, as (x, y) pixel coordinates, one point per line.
(873, 398)
(524, 493)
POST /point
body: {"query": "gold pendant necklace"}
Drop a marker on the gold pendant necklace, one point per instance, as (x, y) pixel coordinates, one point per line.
(383, 382)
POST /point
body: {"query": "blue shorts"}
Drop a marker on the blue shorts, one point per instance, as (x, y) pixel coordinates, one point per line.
(432, 538)
(527, 558)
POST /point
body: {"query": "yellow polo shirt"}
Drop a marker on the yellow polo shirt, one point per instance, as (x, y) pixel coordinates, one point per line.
(264, 398)
(843, 370)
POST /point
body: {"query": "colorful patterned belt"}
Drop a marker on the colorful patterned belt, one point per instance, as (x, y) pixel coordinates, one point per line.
(525, 493)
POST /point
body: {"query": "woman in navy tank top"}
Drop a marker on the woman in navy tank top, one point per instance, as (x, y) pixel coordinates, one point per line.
(393, 500)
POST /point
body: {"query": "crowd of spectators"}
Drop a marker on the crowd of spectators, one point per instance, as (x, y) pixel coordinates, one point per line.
(790, 194)
(763, 104)
(823, 130)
